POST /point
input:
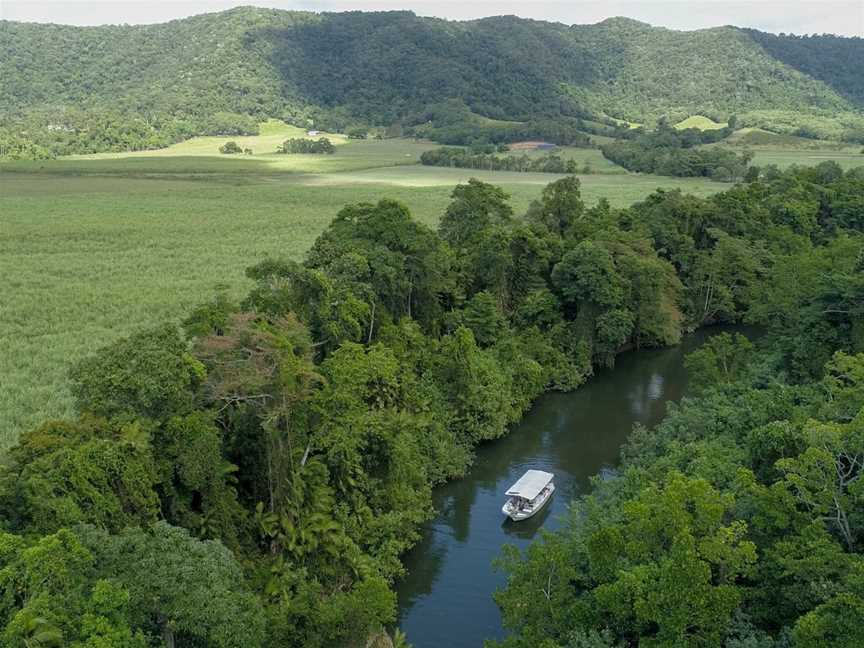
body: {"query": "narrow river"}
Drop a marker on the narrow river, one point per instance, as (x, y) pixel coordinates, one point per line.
(446, 599)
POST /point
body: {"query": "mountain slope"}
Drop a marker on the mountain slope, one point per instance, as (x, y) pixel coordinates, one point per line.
(651, 71)
(198, 65)
(384, 67)
(835, 60)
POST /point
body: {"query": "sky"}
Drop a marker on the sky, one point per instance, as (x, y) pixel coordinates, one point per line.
(845, 17)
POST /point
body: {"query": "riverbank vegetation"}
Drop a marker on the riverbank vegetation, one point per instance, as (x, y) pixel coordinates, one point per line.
(279, 449)
(736, 521)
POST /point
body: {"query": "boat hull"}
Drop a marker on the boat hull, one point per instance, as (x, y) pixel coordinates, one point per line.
(517, 515)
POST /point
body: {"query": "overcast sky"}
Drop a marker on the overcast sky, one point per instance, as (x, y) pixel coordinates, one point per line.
(791, 16)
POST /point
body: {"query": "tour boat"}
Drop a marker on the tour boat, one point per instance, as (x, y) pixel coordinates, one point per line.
(529, 494)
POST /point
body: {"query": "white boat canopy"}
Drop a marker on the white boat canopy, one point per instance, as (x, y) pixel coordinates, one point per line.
(530, 484)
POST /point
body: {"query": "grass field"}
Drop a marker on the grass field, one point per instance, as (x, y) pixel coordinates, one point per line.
(784, 158)
(786, 150)
(701, 122)
(94, 248)
(762, 138)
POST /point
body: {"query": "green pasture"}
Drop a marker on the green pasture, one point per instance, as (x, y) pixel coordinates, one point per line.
(783, 158)
(786, 150)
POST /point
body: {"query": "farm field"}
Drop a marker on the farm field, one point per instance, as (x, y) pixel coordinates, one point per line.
(786, 150)
(783, 158)
(93, 248)
(620, 189)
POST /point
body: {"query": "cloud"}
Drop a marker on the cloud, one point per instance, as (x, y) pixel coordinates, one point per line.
(844, 17)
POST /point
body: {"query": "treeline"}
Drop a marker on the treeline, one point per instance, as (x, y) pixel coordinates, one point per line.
(563, 132)
(470, 159)
(307, 146)
(253, 477)
(452, 122)
(671, 152)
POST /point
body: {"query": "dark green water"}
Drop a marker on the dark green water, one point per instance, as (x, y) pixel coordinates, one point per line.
(446, 599)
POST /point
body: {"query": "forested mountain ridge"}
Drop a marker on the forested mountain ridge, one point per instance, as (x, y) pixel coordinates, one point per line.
(381, 68)
(837, 61)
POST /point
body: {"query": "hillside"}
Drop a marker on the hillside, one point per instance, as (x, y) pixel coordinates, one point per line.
(128, 87)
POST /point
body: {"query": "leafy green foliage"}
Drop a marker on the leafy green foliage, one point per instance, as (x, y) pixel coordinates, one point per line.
(65, 473)
(301, 145)
(62, 601)
(669, 570)
(722, 359)
(148, 374)
(230, 148)
(181, 588)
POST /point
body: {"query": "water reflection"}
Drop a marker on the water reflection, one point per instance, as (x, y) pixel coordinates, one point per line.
(446, 599)
(527, 528)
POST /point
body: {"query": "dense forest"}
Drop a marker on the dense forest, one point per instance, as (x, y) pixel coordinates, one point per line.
(253, 476)
(825, 57)
(112, 88)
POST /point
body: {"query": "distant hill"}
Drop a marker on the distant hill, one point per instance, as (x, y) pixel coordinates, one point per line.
(139, 85)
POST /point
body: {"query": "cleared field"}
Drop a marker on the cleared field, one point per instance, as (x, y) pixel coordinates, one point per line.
(92, 249)
(786, 150)
(620, 190)
(760, 137)
(624, 122)
(701, 122)
(353, 154)
(847, 159)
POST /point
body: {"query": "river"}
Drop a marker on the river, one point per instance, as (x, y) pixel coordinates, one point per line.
(446, 598)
